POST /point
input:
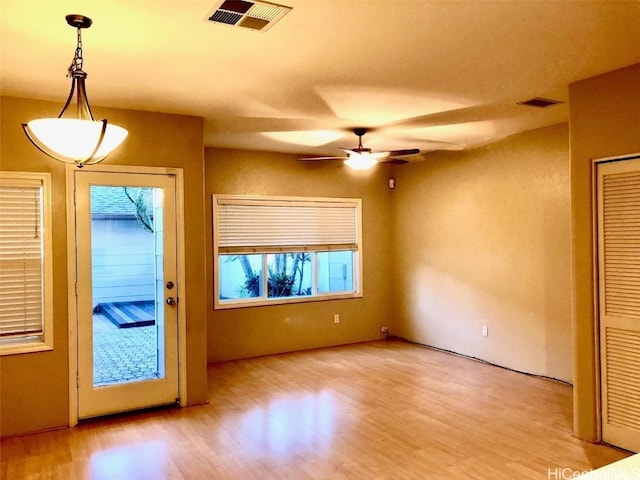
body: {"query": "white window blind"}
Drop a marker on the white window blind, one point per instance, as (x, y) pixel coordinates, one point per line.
(21, 258)
(247, 224)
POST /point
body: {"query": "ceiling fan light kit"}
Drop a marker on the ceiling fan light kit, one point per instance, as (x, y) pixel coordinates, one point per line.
(360, 161)
(76, 139)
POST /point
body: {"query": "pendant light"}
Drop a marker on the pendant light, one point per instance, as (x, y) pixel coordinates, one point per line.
(78, 138)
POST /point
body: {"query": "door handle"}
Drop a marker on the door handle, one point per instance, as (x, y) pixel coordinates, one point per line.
(171, 301)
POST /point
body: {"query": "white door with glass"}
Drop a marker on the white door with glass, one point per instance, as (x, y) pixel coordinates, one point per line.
(618, 196)
(126, 291)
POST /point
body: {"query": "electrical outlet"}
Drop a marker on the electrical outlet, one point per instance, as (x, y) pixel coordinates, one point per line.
(336, 318)
(485, 331)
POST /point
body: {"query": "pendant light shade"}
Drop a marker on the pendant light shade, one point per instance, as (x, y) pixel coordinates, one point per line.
(73, 140)
(77, 138)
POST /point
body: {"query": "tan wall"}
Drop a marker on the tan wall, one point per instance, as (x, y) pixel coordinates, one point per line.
(249, 332)
(482, 238)
(34, 388)
(605, 122)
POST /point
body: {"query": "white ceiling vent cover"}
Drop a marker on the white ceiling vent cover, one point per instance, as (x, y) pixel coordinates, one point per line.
(260, 16)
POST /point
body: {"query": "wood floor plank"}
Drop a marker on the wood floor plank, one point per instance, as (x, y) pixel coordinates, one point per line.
(379, 410)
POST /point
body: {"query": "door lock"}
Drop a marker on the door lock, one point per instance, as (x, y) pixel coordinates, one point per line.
(170, 285)
(171, 301)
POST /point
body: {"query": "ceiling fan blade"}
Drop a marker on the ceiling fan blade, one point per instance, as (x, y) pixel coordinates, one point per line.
(380, 155)
(404, 153)
(395, 153)
(396, 161)
(319, 159)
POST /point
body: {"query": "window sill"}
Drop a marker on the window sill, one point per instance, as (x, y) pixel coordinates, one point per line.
(21, 348)
(241, 303)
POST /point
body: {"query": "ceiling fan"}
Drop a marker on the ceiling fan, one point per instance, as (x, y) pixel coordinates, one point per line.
(361, 158)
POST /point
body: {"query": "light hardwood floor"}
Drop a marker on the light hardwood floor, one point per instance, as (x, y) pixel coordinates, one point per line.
(380, 410)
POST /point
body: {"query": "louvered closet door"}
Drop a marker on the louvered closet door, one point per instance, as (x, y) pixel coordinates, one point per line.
(619, 294)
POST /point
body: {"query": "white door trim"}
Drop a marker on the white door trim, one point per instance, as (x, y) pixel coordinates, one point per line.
(72, 276)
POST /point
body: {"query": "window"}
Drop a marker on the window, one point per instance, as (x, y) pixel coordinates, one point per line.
(25, 263)
(270, 250)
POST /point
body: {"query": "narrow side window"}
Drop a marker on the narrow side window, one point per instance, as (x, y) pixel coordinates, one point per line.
(25, 263)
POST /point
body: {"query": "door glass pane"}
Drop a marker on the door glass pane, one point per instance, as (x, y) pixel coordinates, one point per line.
(127, 283)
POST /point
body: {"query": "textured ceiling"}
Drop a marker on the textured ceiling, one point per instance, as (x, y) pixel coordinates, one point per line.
(420, 74)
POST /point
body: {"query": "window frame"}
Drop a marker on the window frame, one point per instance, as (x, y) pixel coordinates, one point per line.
(27, 344)
(356, 249)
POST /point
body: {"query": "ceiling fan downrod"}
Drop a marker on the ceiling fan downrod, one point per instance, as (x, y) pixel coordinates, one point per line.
(360, 131)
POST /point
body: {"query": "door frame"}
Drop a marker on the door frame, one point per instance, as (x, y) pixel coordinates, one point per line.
(595, 198)
(72, 275)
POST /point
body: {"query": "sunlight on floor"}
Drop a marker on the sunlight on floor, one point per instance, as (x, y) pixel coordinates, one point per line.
(149, 457)
(291, 425)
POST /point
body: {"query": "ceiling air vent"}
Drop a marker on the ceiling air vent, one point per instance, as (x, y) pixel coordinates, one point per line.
(540, 102)
(260, 16)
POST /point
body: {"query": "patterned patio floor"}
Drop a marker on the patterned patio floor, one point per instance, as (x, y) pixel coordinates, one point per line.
(122, 354)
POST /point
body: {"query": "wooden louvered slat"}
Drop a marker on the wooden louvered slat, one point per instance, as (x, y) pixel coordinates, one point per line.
(624, 401)
(620, 192)
(625, 409)
(625, 288)
(622, 305)
(622, 274)
(626, 385)
(624, 414)
(621, 312)
(620, 349)
(625, 233)
(621, 280)
(620, 363)
(627, 306)
(621, 187)
(623, 302)
(615, 231)
(626, 352)
(617, 274)
(625, 203)
(624, 299)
